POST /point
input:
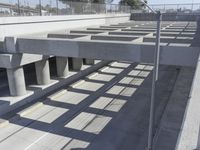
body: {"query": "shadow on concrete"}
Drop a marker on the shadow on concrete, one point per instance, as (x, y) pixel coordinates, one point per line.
(126, 127)
(35, 92)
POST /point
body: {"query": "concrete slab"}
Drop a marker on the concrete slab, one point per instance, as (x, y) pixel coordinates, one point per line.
(111, 117)
(8, 103)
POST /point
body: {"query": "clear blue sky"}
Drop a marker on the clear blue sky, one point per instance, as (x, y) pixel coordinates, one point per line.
(116, 1)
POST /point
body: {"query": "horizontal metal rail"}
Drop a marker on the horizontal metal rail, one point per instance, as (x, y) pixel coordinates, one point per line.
(22, 8)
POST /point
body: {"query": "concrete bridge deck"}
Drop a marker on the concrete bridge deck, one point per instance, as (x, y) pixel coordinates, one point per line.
(179, 45)
(108, 109)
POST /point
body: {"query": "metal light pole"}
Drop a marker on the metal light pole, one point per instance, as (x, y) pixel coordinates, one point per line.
(154, 81)
(155, 77)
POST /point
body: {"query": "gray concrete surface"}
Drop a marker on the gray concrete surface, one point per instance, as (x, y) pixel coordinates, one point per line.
(89, 61)
(16, 81)
(179, 46)
(34, 91)
(189, 132)
(62, 66)
(23, 25)
(109, 108)
(105, 110)
(169, 130)
(42, 72)
(173, 16)
(77, 63)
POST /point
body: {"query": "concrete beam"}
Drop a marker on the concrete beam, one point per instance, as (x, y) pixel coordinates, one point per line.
(168, 40)
(113, 38)
(128, 33)
(109, 50)
(17, 60)
(176, 34)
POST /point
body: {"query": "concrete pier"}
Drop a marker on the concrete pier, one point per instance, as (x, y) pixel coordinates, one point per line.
(42, 72)
(62, 66)
(89, 61)
(16, 81)
(77, 63)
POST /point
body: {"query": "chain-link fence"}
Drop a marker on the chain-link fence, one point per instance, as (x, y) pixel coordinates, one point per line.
(184, 8)
(170, 8)
(55, 7)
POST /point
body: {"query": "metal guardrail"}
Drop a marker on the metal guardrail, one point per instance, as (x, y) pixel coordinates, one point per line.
(55, 7)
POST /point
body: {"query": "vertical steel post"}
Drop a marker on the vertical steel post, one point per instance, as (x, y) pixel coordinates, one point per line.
(40, 7)
(70, 7)
(18, 7)
(57, 7)
(192, 6)
(164, 7)
(154, 80)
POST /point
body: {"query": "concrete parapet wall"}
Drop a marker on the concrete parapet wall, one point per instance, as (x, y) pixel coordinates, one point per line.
(166, 17)
(14, 26)
(189, 137)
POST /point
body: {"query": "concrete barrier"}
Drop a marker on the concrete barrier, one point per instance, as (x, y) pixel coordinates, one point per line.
(14, 26)
(165, 17)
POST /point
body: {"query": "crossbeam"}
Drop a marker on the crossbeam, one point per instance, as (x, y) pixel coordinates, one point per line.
(108, 50)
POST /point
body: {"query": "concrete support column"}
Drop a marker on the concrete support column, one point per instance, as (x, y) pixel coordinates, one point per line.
(16, 81)
(77, 63)
(42, 72)
(89, 61)
(62, 66)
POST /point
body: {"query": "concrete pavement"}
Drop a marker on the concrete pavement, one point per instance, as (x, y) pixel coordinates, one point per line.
(106, 110)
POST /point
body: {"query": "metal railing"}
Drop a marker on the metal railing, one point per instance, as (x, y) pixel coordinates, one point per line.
(55, 7)
(182, 8)
(172, 8)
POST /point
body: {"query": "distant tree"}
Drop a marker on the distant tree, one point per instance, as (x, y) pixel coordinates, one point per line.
(90, 1)
(82, 5)
(37, 7)
(135, 4)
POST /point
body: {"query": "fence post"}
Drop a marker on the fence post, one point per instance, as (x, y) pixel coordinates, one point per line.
(18, 7)
(164, 8)
(105, 8)
(40, 7)
(91, 7)
(192, 6)
(57, 7)
(70, 5)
